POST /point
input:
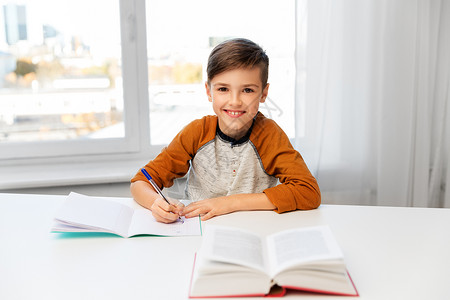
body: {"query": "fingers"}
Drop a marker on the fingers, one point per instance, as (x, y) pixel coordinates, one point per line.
(177, 206)
(168, 213)
(200, 208)
(164, 212)
(207, 216)
(209, 208)
(192, 210)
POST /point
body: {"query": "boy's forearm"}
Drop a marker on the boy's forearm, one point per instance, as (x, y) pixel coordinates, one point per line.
(258, 201)
(143, 193)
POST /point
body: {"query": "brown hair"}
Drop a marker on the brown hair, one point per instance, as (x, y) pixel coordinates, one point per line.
(237, 53)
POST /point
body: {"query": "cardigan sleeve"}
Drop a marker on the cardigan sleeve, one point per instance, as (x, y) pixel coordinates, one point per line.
(174, 160)
(298, 189)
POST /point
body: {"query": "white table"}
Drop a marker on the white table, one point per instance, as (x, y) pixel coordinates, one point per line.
(391, 253)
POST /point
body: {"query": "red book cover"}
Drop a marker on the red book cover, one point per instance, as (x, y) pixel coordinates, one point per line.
(276, 291)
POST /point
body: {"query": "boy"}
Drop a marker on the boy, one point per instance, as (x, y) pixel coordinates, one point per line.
(235, 158)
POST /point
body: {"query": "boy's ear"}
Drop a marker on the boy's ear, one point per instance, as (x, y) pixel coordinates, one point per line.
(208, 91)
(264, 94)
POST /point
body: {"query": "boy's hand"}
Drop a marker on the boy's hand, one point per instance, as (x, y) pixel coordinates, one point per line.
(164, 212)
(209, 208)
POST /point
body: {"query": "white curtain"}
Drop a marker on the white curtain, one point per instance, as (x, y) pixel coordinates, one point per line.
(376, 106)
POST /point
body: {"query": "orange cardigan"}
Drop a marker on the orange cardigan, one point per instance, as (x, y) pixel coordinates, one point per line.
(298, 189)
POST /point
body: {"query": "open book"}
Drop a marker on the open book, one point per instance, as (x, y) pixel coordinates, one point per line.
(236, 263)
(120, 216)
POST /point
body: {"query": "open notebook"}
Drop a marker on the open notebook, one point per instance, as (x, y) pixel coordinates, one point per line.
(120, 216)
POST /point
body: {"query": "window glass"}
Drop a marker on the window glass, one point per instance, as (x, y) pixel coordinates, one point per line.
(60, 70)
(180, 36)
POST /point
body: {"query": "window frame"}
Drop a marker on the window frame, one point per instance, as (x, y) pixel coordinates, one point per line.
(135, 95)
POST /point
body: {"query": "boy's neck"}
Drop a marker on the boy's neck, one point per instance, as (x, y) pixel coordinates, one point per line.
(232, 140)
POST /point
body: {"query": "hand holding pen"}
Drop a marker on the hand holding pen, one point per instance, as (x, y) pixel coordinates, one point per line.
(173, 207)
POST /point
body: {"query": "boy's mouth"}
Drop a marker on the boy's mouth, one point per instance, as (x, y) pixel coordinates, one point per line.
(234, 113)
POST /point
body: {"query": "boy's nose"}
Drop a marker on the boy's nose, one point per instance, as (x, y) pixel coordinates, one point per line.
(235, 99)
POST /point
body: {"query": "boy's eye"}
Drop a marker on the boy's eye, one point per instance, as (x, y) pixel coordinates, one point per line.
(222, 89)
(248, 90)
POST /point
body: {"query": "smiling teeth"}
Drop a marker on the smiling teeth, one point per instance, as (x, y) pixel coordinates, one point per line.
(235, 113)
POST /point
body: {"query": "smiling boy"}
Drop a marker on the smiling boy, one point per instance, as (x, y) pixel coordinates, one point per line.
(236, 160)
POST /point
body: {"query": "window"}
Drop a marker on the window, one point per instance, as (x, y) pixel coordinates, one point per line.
(61, 71)
(117, 79)
(178, 45)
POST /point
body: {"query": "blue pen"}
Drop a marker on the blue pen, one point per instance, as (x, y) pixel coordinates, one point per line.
(156, 187)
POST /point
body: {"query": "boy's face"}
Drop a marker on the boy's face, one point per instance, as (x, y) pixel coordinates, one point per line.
(235, 95)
